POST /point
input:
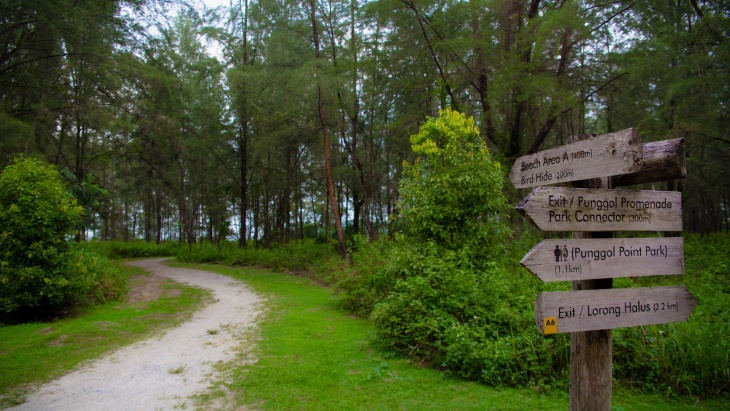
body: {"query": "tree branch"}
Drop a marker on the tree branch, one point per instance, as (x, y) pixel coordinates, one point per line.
(411, 4)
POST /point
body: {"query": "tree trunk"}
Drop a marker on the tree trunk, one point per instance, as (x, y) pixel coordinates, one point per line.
(325, 134)
(243, 139)
(482, 83)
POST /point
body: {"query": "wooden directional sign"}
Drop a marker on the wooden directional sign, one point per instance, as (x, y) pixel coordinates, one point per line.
(574, 311)
(606, 155)
(587, 259)
(588, 209)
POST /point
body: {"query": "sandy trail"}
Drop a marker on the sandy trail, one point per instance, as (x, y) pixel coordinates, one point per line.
(143, 376)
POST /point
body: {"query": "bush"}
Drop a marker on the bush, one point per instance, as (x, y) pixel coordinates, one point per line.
(442, 291)
(428, 292)
(40, 274)
(95, 278)
(36, 215)
(363, 283)
(432, 305)
(452, 193)
(691, 357)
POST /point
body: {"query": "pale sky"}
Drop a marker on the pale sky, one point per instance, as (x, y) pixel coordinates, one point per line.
(214, 3)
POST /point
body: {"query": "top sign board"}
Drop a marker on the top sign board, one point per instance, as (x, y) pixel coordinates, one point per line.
(607, 155)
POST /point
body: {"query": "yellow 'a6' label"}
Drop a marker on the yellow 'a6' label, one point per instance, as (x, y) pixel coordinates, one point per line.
(550, 326)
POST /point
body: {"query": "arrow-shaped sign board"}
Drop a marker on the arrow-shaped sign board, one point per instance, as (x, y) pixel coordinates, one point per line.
(574, 311)
(587, 259)
(590, 209)
(607, 155)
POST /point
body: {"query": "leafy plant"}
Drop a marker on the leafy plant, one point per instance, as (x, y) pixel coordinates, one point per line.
(40, 272)
(36, 215)
(691, 357)
(441, 295)
(94, 278)
(452, 193)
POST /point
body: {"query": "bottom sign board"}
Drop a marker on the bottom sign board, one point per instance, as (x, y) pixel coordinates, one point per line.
(574, 311)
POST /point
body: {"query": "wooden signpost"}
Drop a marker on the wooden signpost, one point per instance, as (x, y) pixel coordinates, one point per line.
(570, 311)
(607, 155)
(587, 209)
(586, 259)
(663, 160)
(593, 308)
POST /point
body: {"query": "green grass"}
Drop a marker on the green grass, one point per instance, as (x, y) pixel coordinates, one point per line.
(313, 357)
(38, 352)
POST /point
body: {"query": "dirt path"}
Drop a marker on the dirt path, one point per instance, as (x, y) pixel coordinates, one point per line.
(162, 372)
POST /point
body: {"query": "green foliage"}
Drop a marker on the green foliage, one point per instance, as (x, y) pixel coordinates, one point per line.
(86, 193)
(39, 271)
(475, 323)
(443, 292)
(451, 194)
(94, 278)
(307, 257)
(15, 133)
(691, 357)
(135, 249)
(36, 214)
(367, 281)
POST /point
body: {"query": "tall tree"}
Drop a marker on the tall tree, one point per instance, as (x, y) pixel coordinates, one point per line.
(676, 86)
(325, 133)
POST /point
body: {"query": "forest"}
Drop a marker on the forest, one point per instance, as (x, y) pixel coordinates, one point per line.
(365, 145)
(268, 121)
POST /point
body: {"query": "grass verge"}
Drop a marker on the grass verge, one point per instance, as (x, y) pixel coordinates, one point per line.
(312, 356)
(35, 353)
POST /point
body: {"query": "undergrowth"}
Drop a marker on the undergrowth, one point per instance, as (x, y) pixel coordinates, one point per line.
(135, 249)
(89, 279)
(504, 348)
(310, 258)
(501, 346)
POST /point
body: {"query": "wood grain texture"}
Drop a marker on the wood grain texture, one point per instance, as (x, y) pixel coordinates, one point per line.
(588, 209)
(606, 155)
(591, 352)
(591, 370)
(663, 161)
(585, 259)
(614, 308)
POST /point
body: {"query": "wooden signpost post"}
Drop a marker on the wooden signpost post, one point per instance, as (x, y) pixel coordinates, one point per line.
(593, 258)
